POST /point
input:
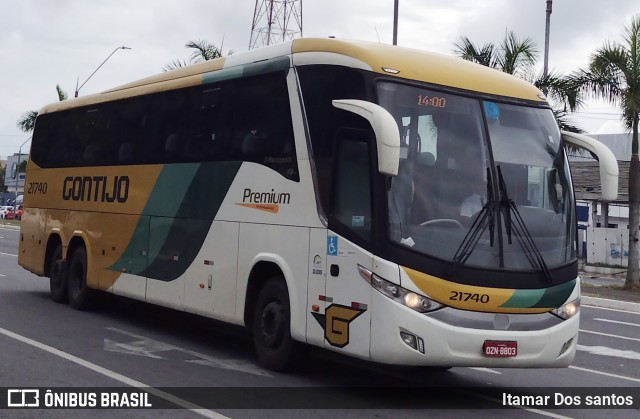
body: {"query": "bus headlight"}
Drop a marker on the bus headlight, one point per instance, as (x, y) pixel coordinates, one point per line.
(568, 310)
(407, 298)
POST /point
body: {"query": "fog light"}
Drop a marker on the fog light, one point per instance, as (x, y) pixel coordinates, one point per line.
(415, 342)
(566, 346)
(409, 339)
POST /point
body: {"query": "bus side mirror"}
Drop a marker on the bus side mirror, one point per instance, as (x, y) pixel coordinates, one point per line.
(385, 129)
(606, 159)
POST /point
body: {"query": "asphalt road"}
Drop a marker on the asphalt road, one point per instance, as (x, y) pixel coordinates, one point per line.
(128, 344)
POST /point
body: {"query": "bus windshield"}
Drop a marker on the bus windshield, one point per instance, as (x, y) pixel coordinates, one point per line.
(480, 182)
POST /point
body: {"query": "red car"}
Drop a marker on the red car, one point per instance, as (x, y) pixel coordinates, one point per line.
(18, 213)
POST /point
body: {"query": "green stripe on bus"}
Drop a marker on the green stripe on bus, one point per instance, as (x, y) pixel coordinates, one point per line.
(170, 189)
(523, 298)
(557, 296)
(248, 70)
(177, 218)
(554, 296)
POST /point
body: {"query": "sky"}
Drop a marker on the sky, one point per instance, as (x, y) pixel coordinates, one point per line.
(44, 43)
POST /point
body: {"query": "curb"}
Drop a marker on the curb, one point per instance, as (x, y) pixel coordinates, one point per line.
(607, 303)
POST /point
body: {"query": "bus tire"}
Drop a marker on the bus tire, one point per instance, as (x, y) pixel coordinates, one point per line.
(57, 276)
(79, 294)
(272, 339)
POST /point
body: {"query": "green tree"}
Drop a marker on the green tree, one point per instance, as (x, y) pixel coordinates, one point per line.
(614, 75)
(514, 56)
(202, 51)
(27, 121)
(518, 57)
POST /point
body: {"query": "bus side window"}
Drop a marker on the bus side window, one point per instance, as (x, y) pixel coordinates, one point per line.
(208, 137)
(352, 190)
(263, 131)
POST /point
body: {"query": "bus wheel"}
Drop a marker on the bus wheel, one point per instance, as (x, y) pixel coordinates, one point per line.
(80, 295)
(57, 277)
(272, 326)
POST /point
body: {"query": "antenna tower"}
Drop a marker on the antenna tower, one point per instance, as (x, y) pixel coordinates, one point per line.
(275, 21)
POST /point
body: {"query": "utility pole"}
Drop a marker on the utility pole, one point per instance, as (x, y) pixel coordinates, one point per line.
(94, 72)
(546, 38)
(395, 22)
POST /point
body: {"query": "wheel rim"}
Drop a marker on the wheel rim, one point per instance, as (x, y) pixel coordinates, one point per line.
(272, 323)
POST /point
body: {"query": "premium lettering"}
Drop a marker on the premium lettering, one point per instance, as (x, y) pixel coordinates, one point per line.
(272, 197)
(96, 188)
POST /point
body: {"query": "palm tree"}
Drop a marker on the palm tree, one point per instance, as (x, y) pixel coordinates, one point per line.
(62, 95)
(614, 75)
(27, 122)
(514, 56)
(203, 51)
(518, 57)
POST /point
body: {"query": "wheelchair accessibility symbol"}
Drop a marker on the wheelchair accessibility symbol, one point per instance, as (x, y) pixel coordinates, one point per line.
(332, 245)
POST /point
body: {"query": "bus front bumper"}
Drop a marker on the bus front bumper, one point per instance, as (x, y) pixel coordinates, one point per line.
(403, 336)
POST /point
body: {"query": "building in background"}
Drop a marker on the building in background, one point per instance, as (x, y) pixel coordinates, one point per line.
(14, 177)
(603, 226)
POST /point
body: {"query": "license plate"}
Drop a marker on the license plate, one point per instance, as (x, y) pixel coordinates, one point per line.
(500, 348)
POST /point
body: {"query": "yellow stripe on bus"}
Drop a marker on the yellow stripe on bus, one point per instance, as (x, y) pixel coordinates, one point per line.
(469, 297)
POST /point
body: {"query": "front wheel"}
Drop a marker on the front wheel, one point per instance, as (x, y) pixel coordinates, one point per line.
(272, 326)
(57, 276)
(79, 294)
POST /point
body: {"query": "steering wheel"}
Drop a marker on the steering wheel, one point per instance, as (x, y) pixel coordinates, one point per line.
(445, 221)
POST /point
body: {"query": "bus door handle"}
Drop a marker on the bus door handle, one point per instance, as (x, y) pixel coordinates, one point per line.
(334, 270)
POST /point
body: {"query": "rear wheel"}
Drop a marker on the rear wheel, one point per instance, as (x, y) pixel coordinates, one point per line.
(57, 277)
(272, 326)
(79, 294)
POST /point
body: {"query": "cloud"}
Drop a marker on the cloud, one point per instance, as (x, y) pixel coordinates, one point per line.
(45, 42)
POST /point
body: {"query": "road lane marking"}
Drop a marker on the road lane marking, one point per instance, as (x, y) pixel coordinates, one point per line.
(8, 254)
(609, 335)
(144, 346)
(609, 309)
(2, 275)
(617, 322)
(606, 351)
(608, 374)
(115, 376)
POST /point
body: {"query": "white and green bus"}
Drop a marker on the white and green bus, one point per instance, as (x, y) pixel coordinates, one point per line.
(385, 203)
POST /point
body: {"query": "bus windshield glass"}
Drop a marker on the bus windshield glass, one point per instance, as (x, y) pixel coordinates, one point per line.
(496, 198)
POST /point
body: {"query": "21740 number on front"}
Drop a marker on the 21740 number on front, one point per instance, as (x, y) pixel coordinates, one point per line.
(468, 296)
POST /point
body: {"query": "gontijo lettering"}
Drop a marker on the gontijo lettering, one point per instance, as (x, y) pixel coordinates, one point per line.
(96, 188)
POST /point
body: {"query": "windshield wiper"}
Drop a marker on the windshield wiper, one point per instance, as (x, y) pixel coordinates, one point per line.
(518, 226)
(484, 220)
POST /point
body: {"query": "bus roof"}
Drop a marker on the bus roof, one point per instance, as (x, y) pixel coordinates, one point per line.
(425, 66)
(390, 60)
